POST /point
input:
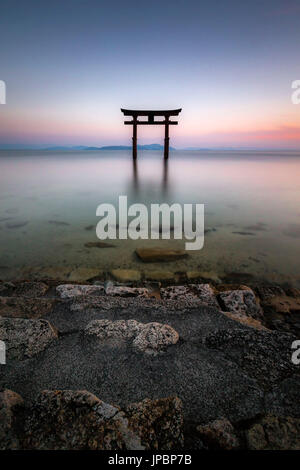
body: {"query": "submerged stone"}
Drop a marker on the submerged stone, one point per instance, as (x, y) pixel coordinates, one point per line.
(126, 275)
(149, 255)
(160, 276)
(84, 274)
(99, 245)
(17, 224)
(58, 222)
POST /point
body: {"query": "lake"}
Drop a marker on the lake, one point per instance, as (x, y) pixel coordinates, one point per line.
(48, 204)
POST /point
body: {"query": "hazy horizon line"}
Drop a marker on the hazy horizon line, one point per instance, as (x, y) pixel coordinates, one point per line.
(126, 146)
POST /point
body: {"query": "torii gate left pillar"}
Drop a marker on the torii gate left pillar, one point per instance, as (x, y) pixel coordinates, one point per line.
(134, 138)
(166, 143)
(150, 121)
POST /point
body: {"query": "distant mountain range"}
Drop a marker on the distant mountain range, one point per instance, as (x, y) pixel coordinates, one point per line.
(140, 147)
(112, 147)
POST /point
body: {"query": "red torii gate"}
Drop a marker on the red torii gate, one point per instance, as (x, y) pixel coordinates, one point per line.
(150, 115)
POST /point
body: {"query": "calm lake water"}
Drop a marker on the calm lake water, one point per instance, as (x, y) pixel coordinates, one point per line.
(48, 204)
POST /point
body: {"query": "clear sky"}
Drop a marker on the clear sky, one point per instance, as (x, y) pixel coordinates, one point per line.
(70, 65)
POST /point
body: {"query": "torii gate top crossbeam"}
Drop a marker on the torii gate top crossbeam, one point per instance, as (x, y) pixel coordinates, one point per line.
(134, 112)
(151, 114)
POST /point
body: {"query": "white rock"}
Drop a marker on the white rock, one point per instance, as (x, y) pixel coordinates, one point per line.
(116, 330)
(199, 293)
(149, 338)
(25, 338)
(241, 302)
(155, 338)
(68, 291)
(124, 291)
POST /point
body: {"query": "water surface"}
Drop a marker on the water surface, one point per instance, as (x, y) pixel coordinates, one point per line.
(48, 204)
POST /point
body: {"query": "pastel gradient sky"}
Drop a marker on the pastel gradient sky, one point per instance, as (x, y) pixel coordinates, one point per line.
(70, 65)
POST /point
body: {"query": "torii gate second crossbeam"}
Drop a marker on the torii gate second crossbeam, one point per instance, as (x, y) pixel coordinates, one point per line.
(151, 121)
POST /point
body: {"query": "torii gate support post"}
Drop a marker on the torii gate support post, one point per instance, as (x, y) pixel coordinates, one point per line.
(166, 146)
(134, 138)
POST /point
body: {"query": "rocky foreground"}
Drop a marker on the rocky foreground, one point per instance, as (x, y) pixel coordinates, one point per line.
(109, 366)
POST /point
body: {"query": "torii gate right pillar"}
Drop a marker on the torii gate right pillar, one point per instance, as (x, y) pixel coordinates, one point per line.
(134, 138)
(166, 146)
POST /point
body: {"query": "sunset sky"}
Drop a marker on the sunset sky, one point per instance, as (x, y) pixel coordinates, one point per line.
(70, 65)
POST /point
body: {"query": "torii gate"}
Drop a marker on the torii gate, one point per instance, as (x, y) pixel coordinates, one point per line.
(150, 114)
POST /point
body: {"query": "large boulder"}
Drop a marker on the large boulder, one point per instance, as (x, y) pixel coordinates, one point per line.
(274, 433)
(200, 293)
(263, 355)
(78, 420)
(158, 422)
(155, 338)
(10, 406)
(220, 435)
(150, 338)
(241, 302)
(125, 291)
(69, 291)
(281, 308)
(23, 289)
(113, 331)
(25, 307)
(25, 338)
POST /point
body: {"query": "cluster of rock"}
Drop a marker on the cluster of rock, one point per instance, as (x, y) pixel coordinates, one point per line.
(149, 338)
(147, 273)
(224, 350)
(266, 433)
(78, 420)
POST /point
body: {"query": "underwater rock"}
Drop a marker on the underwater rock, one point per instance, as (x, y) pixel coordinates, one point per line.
(99, 245)
(149, 255)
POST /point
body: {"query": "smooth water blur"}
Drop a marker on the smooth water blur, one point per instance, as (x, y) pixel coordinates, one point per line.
(48, 204)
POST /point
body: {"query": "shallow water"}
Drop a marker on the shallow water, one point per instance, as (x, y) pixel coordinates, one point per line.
(48, 204)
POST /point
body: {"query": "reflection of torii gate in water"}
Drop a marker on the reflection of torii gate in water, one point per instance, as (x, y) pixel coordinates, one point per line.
(150, 114)
(164, 185)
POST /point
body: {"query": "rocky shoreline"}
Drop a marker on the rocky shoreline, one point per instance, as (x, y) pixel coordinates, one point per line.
(108, 365)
